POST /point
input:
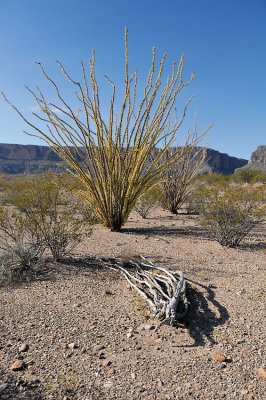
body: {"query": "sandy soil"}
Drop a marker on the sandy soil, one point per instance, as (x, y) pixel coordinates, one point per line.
(91, 337)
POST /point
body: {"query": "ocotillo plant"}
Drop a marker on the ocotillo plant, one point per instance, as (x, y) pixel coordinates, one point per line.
(113, 157)
(178, 184)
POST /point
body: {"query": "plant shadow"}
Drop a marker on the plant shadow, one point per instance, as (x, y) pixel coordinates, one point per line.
(205, 313)
(252, 246)
(49, 271)
(192, 231)
(12, 388)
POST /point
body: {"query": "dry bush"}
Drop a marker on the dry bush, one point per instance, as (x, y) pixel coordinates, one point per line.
(6, 275)
(148, 201)
(191, 205)
(20, 238)
(112, 158)
(230, 212)
(178, 182)
(44, 214)
(213, 179)
(248, 175)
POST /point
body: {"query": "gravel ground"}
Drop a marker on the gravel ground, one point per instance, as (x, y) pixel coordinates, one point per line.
(80, 332)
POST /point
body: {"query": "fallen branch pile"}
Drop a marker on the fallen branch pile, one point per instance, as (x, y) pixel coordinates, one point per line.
(164, 291)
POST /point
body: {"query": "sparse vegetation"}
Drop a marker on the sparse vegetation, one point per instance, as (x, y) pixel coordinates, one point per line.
(20, 238)
(148, 201)
(41, 214)
(230, 212)
(248, 175)
(178, 181)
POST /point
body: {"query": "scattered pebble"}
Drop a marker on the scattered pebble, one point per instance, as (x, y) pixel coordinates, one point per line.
(73, 346)
(23, 348)
(3, 387)
(106, 363)
(219, 357)
(261, 373)
(99, 347)
(108, 384)
(18, 365)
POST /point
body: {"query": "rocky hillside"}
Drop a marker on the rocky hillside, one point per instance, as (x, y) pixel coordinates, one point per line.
(258, 159)
(32, 159)
(28, 159)
(223, 163)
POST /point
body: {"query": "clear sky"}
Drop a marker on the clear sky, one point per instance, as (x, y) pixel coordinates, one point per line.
(224, 42)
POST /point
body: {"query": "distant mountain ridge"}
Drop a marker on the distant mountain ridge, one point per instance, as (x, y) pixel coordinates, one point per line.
(34, 159)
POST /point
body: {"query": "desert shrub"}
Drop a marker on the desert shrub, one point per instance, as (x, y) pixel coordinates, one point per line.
(212, 179)
(248, 175)
(230, 212)
(5, 270)
(20, 238)
(47, 207)
(178, 182)
(191, 205)
(147, 202)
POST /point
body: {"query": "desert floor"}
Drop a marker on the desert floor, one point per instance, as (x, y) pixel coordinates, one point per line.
(91, 337)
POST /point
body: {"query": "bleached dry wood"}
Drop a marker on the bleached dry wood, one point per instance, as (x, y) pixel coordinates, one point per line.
(165, 292)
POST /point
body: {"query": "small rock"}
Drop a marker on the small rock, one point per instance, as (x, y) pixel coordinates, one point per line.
(102, 356)
(110, 372)
(261, 373)
(142, 389)
(106, 363)
(140, 328)
(33, 384)
(99, 347)
(133, 375)
(73, 346)
(219, 357)
(23, 348)
(3, 387)
(129, 335)
(160, 384)
(149, 327)
(243, 392)
(18, 365)
(108, 384)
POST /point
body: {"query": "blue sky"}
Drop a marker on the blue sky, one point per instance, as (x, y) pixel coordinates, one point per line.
(224, 42)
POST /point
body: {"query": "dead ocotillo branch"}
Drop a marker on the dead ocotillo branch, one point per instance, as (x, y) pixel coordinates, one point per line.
(163, 290)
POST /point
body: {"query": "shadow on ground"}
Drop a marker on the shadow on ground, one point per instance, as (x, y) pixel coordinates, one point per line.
(50, 271)
(205, 313)
(12, 387)
(256, 240)
(192, 231)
